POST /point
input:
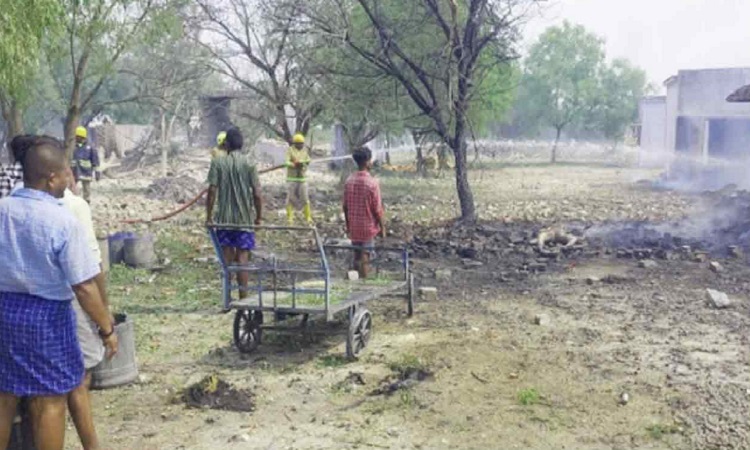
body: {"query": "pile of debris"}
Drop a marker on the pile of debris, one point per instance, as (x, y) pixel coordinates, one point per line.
(214, 393)
(527, 247)
(179, 189)
(721, 229)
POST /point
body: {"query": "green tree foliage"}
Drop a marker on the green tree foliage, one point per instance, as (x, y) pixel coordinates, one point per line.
(567, 84)
(438, 51)
(621, 86)
(561, 77)
(98, 33)
(24, 26)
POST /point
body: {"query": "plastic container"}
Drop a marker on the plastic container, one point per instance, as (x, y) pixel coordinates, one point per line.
(116, 247)
(138, 251)
(123, 368)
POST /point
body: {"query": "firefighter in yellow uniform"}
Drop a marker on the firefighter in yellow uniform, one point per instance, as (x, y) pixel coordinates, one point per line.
(297, 160)
(219, 150)
(85, 163)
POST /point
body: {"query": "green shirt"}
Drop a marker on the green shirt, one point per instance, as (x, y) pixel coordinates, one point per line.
(236, 181)
(297, 173)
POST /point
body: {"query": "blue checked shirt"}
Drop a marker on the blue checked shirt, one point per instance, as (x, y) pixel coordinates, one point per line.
(43, 247)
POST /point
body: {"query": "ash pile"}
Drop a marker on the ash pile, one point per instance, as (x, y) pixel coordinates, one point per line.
(721, 228)
(525, 248)
(181, 189)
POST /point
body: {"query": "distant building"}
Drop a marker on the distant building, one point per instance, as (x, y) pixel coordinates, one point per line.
(700, 130)
(700, 122)
(652, 112)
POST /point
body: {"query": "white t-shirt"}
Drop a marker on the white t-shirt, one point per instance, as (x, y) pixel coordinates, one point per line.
(88, 334)
(81, 209)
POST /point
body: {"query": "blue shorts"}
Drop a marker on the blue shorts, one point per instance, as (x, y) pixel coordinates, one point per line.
(243, 240)
(368, 247)
(39, 352)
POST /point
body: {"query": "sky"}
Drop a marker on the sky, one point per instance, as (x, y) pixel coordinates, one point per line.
(660, 36)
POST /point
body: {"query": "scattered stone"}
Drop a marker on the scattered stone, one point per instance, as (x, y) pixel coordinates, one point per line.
(513, 376)
(624, 398)
(716, 267)
(735, 252)
(718, 299)
(700, 257)
(664, 254)
(592, 280)
(542, 320)
(428, 293)
(443, 274)
(648, 264)
(537, 267)
(240, 438)
(352, 275)
(467, 253)
(174, 189)
(472, 264)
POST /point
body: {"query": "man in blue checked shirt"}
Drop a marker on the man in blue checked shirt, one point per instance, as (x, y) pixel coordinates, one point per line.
(45, 263)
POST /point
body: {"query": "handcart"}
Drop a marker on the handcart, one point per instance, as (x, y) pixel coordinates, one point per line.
(309, 286)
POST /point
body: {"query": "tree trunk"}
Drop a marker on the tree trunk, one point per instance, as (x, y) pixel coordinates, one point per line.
(13, 116)
(163, 144)
(69, 130)
(15, 121)
(417, 138)
(465, 196)
(554, 147)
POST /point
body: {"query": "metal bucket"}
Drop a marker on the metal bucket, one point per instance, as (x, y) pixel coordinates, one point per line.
(138, 251)
(123, 368)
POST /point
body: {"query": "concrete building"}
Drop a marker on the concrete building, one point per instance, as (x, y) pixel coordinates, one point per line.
(652, 112)
(700, 123)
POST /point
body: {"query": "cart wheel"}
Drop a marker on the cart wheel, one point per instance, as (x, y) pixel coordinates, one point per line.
(247, 330)
(360, 331)
(410, 296)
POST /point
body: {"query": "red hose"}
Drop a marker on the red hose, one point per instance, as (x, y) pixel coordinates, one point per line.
(188, 204)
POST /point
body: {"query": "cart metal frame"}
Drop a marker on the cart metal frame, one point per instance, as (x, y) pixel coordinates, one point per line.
(248, 322)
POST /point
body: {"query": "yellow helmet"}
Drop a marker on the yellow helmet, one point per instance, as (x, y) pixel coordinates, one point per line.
(221, 138)
(298, 138)
(81, 132)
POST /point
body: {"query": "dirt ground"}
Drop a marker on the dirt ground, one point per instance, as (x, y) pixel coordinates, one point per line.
(593, 353)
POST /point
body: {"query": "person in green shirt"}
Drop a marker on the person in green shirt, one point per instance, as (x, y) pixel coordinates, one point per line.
(297, 160)
(234, 189)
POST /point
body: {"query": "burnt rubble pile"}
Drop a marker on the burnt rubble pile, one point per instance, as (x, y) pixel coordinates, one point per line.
(722, 229)
(515, 245)
(180, 189)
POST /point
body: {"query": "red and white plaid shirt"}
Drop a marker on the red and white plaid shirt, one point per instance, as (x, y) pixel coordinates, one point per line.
(364, 207)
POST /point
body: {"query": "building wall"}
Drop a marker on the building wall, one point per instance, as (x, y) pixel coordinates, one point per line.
(653, 118)
(703, 93)
(673, 102)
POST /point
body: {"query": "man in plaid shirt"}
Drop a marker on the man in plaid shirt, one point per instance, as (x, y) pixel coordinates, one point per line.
(363, 209)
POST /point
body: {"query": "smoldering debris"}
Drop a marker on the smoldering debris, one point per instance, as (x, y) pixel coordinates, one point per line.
(721, 227)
